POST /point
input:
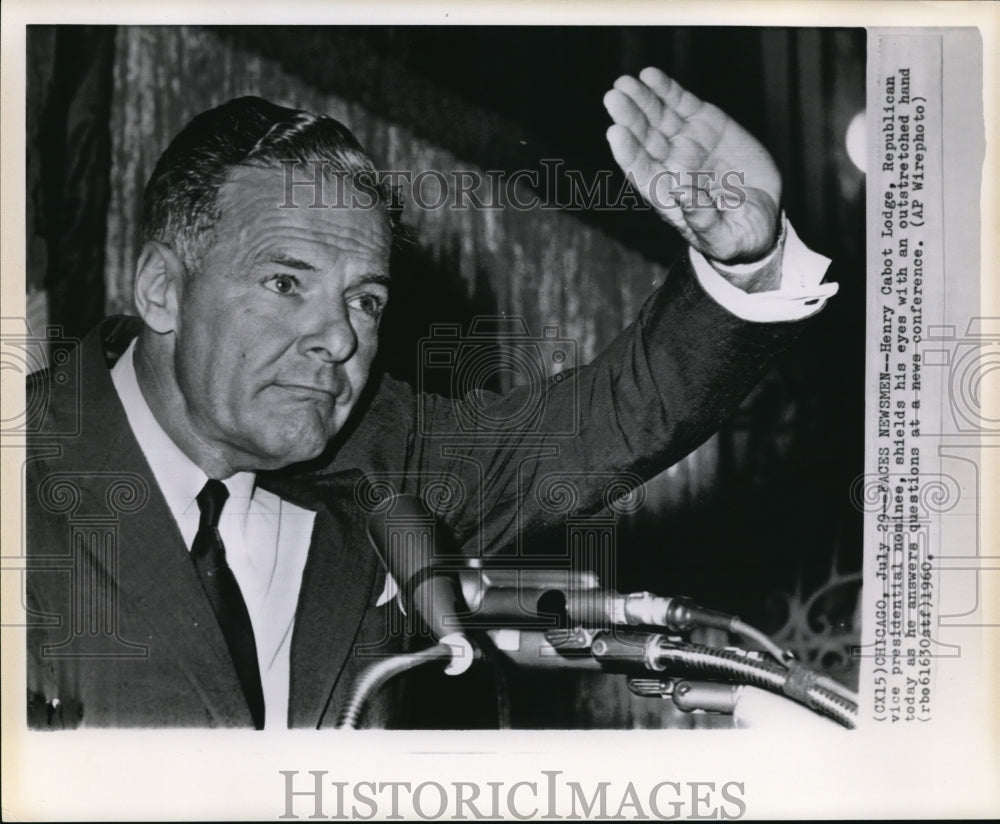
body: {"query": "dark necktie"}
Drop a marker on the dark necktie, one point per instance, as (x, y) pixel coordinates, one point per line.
(209, 556)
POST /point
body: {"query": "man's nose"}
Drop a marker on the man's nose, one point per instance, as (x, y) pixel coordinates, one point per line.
(329, 335)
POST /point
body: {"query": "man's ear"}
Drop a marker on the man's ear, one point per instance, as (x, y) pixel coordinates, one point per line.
(159, 279)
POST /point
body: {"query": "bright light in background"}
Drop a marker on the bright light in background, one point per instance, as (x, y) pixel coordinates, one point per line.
(855, 141)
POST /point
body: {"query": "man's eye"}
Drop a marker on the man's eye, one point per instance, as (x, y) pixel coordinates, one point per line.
(369, 304)
(282, 284)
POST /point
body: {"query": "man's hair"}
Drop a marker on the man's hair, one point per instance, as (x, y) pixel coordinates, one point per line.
(180, 203)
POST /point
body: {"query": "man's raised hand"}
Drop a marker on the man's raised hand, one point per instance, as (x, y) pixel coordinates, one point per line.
(663, 135)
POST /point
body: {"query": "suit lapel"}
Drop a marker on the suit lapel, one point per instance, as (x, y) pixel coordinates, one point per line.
(337, 588)
(152, 570)
(156, 580)
(173, 602)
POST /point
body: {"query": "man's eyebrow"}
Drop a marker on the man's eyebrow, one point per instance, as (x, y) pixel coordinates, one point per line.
(375, 277)
(281, 259)
(291, 262)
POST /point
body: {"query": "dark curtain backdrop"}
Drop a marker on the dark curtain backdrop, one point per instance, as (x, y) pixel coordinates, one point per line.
(68, 162)
(757, 521)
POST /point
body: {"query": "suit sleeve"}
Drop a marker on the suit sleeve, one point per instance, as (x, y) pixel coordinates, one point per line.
(662, 387)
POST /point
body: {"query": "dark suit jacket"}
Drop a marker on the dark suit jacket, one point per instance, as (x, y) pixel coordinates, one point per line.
(120, 631)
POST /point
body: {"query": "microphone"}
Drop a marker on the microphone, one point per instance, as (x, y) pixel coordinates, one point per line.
(560, 605)
(408, 540)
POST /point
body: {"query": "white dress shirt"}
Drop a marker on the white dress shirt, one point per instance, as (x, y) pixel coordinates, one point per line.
(266, 538)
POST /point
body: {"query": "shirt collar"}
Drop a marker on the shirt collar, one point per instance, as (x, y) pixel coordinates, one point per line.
(179, 478)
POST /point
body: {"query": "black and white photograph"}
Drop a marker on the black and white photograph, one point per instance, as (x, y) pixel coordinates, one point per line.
(489, 389)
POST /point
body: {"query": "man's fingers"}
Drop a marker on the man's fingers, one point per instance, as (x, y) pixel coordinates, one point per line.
(670, 92)
(624, 112)
(632, 105)
(677, 151)
(647, 102)
(629, 153)
(624, 146)
(660, 112)
(662, 104)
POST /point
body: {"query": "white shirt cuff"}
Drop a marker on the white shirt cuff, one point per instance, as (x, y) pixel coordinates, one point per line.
(801, 293)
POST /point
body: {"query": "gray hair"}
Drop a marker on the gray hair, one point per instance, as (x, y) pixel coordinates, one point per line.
(180, 202)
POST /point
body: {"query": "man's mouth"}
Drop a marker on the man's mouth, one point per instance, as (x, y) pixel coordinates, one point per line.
(314, 392)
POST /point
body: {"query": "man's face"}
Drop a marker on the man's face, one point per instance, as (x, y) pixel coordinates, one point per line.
(276, 332)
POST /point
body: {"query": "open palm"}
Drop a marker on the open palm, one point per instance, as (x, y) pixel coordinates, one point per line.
(662, 135)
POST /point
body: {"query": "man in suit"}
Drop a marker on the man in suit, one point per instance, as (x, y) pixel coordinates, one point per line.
(197, 504)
